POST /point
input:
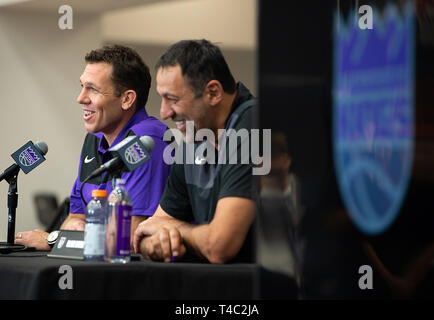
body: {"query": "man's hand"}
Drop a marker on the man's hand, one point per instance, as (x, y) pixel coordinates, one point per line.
(218, 241)
(164, 245)
(158, 238)
(36, 238)
(150, 227)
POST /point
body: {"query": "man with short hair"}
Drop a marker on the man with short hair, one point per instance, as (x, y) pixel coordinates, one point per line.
(195, 84)
(115, 86)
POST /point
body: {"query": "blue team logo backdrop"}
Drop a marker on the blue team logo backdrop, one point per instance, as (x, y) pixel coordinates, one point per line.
(373, 115)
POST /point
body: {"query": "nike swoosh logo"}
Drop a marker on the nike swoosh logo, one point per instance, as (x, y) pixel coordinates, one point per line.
(87, 160)
(199, 160)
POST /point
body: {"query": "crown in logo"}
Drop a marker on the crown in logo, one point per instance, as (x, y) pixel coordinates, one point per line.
(134, 153)
(387, 36)
(28, 157)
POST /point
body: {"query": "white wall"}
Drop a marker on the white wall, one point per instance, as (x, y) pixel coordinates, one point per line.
(242, 63)
(232, 23)
(40, 66)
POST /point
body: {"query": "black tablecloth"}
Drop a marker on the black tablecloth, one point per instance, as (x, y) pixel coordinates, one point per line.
(33, 275)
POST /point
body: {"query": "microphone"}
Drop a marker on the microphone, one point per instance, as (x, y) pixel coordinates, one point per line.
(129, 154)
(26, 158)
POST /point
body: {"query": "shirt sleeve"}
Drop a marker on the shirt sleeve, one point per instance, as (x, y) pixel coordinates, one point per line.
(175, 200)
(76, 205)
(236, 179)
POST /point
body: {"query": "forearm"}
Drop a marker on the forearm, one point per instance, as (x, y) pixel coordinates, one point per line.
(221, 239)
(218, 241)
(74, 221)
(194, 238)
(205, 241)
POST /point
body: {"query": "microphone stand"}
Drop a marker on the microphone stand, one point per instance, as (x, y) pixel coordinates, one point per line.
(109, 175)
(12, 204)
(9, 246)
(113, 176)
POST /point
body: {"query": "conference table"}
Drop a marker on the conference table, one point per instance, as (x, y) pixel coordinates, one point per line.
(33, 275)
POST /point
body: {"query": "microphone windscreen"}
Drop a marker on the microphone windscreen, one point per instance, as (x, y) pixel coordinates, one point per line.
(42, 147)
(147, 142)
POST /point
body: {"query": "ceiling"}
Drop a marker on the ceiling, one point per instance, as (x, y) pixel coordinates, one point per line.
(229, 23)
(88, 6)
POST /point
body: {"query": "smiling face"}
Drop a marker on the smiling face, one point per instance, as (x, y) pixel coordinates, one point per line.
(178, 101)
(102, 109)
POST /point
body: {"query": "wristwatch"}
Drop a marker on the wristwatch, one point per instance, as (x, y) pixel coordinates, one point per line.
(52, 237)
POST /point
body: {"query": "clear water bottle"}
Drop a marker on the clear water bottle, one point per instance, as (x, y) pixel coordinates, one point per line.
(118, 225)
(94, 231)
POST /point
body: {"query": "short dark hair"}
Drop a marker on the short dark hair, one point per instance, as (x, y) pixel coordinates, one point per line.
(200, 62)
(129, 71)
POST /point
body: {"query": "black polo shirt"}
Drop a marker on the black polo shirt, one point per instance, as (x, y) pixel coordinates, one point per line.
(193, 190)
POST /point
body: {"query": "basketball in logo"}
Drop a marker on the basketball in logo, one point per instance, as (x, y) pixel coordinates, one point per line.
(28, 157)
(134, 154)
(23, 159)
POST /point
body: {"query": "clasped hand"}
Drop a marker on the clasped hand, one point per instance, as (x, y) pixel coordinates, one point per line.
(157, 242)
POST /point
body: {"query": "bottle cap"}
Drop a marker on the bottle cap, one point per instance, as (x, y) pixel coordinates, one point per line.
(99, 193)
(120, 181)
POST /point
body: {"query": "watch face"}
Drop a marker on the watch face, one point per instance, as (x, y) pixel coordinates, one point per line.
(52, 237)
